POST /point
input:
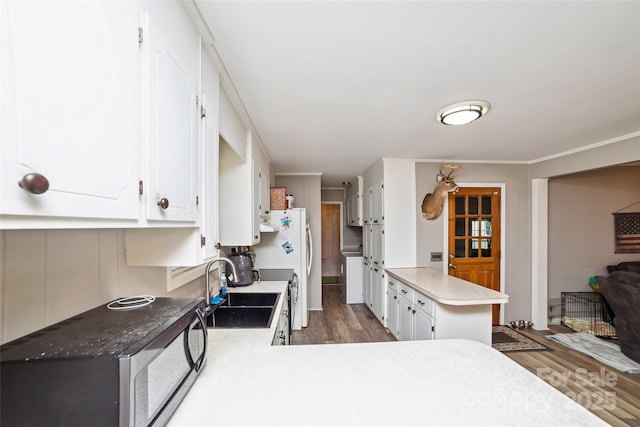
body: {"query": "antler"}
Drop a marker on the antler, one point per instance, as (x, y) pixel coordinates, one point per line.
(452, 168)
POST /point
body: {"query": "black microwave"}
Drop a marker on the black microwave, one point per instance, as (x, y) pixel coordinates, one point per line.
(105, 367)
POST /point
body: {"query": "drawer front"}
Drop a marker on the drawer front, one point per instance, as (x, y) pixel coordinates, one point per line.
(424, 303)
(406, 291)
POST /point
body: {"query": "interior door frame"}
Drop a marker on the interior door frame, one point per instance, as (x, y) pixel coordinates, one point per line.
(503, 248)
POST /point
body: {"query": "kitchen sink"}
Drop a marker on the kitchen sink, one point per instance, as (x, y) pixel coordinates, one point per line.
(244, 310)
(251, 299)
(242, 317)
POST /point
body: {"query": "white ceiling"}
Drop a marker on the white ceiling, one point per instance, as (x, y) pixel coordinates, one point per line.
(332, 87)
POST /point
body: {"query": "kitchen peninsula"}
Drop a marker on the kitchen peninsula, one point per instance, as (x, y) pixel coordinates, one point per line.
(246, 381)
(452, 307)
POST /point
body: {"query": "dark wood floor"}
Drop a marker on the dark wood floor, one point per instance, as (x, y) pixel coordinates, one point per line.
(610, 394)
(339, 322)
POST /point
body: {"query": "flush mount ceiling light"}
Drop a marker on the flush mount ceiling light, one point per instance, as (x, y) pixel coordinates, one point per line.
(462, 113)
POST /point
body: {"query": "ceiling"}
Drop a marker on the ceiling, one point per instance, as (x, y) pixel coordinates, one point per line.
(333, 86)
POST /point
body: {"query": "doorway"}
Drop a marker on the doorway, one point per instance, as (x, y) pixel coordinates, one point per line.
(474, 238)
(331, 214)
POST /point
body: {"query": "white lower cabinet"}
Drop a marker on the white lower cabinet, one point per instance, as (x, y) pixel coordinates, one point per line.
(354, 294)
(367, 273)
(405, 327)
(281, 336)
(410, 314)
(393, 308)
(378, 293)
(423, 325)
(424, 318)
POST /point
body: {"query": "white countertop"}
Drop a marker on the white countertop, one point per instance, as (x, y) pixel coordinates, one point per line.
(246, 381)
(447, 289)
(352, 253)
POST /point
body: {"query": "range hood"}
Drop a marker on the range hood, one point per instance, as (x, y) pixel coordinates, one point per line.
(265, 228)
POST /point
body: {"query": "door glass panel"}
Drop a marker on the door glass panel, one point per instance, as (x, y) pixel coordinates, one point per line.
(486, 205)
(473, 205)
(474, 227)
(460, 227)
(473, 248)
(486, 248)
(460, 210)
(459, 252)
(486, 227)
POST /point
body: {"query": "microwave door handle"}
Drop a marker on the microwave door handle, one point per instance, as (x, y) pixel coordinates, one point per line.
(203, 324)
(187, 351)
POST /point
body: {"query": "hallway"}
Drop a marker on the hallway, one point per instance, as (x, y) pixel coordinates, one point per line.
(339, 322)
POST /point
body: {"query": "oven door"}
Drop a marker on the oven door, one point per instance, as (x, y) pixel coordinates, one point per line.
(165, 370)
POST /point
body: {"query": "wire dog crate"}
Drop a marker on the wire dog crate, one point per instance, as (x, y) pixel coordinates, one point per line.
(587, 312)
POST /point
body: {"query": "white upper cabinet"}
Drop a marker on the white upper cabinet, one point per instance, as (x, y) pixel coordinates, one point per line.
(354, 202)
(172, 45)
(377, 203)
(193, 245)
(70, 112)
(232, 129)
(265, 194)
(239, 198)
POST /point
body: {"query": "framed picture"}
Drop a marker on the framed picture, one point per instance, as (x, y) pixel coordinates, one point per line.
(627, 232)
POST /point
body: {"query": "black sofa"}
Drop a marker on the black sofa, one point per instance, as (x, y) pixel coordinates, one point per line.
(633, 266)
(621, 290)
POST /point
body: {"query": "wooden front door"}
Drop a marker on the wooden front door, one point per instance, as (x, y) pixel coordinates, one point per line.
(330, 240)
(474, 238)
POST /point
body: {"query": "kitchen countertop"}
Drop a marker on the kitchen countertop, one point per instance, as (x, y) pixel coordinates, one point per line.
(349, 252)
(447, 289)
(246, 381)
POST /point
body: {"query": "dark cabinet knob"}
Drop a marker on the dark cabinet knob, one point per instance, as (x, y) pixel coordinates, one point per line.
(34, 183)
(163, 203)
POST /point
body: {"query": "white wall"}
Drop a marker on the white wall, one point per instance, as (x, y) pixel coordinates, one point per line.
(49, 275)
(581, 231)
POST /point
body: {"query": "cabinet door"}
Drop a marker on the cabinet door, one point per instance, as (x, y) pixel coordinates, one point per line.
(366, 206)
(368, 284)
(393, 308)
(377, 203)
(422, 325)
(378, 293)
(377, 245)
(255, 201)
(209, 220)
(70, 108)
(265, 193)
(173, 50)
(366, 242)
(405, 320)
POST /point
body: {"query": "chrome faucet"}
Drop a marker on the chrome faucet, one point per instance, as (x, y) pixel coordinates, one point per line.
(207, 288)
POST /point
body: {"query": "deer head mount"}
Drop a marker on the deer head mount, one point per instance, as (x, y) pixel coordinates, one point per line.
(432, 203)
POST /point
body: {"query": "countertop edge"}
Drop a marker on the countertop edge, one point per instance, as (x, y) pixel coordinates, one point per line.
(500, 298)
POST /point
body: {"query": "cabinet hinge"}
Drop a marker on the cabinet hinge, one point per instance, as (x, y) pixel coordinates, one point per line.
(203, 112)
(433, 329)
(140, 35)
(140, 188)
(203, 240)
(197, 100)
(197, 200)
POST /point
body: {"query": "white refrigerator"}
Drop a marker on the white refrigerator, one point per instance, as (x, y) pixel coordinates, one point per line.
(289, 246)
